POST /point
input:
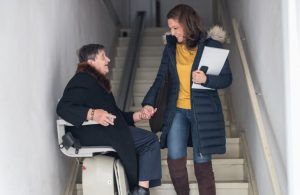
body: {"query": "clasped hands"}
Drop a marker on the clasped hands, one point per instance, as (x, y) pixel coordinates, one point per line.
(105, 118)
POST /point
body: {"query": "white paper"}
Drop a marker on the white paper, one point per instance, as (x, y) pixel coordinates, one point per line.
(214, 59)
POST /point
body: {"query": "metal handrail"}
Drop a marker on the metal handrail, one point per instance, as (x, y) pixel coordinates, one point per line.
(253, 97)
(125, 90)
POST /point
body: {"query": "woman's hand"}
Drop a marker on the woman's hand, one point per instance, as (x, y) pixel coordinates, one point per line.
(144, 114)
(199, 77)
(148, 111)
(103, 117)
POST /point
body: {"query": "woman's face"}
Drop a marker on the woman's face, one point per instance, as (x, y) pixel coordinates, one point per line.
(176, 30)
(101, 62)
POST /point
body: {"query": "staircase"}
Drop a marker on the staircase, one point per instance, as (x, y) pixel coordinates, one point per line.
(230, 169)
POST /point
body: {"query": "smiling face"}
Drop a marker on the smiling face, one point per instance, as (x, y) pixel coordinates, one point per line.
(100, 63)
(176, 30)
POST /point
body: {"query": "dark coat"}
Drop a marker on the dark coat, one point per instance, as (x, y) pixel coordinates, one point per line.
(208, 127)
(84, 92)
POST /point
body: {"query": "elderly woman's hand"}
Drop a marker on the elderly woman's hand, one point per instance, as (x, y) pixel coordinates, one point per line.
(103, 117)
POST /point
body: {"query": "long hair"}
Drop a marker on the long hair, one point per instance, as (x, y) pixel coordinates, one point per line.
(191, 22)
(89, 52)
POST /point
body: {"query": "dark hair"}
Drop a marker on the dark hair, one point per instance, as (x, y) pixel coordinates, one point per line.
(89, 52)
(191, 22)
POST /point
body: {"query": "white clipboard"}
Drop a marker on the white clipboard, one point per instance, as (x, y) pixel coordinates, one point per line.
(214, 59)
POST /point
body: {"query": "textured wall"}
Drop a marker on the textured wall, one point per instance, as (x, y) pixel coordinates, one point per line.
(39, 39)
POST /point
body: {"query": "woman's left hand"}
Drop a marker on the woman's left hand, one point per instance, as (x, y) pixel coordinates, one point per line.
(199, 77)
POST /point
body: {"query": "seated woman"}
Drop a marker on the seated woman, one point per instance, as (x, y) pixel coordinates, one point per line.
(88, 96)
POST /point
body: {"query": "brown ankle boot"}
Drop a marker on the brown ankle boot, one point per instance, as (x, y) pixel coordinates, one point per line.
(205, 178)
(179, 175)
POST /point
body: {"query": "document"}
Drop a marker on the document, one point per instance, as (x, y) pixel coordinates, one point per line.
(213, 59)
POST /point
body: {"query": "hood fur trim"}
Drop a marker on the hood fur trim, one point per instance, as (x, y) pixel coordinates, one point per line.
(216, 32)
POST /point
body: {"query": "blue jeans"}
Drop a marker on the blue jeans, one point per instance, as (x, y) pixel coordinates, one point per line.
(178, 135)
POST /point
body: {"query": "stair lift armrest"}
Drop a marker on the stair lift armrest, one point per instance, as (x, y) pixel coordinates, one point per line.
(84, 151)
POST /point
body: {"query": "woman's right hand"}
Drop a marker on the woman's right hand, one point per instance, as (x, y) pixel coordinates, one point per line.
(103, 117)
(149, 110)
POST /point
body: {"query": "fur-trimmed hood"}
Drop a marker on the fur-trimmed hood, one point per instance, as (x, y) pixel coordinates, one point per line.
(216, 32)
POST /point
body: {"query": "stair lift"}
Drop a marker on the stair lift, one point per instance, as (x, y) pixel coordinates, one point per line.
(101, 174)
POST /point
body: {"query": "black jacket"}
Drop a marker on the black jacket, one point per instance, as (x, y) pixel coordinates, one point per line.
(84, 92)
(207, 128)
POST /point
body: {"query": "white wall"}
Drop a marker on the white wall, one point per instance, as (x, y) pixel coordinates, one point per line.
(262, 24)
(292, 60)
(39, 39)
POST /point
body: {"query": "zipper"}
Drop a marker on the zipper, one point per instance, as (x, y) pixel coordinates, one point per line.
(196, 123)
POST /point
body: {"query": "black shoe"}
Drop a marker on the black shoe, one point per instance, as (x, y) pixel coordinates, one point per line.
(140, 191)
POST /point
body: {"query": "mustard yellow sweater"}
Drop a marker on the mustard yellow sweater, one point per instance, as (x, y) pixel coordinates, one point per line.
(184, 62)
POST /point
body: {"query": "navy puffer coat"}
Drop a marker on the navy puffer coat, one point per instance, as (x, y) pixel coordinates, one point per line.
(208, 126)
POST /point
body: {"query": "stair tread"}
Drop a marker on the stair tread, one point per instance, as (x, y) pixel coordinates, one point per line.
(225, 161)
(193, 184)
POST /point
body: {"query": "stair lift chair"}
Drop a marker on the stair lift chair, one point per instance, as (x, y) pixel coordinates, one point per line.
(101, 174)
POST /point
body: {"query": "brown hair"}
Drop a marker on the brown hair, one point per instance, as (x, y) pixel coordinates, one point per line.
(191, 22)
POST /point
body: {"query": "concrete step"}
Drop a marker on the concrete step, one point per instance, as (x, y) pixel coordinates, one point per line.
(153, 31)
(233, 151)
(153, 51)
(224, 169)
(147, 41)
(140, 86)
(139, 97)
(145, 125)
(143, 73)
(144, 61)
(223, 188)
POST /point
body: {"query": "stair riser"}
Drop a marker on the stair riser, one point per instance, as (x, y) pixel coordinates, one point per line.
(137, 100)
(141, 88)
(231, 172)
(145, 51)
(193, 191)
(227, 128)
(148, 74)
(143, 62)
(236, 191)
(147, 41)
(152, 32)
(232, 151)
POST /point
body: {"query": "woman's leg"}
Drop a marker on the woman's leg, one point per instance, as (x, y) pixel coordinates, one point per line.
(177, 151)
(148, 151)
(204, 174)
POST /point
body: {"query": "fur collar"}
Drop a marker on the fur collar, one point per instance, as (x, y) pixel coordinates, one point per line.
(216, 33)
(101, 79)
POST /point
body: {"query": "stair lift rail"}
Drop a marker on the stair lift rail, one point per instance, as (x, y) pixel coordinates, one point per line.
(125, 90)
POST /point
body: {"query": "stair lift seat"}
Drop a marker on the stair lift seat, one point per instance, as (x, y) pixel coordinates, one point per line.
(100, 173)
(85, 151)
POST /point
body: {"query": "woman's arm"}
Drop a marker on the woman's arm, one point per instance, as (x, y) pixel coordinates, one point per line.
(71, 106)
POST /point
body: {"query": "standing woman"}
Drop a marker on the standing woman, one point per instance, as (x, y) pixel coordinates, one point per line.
(194, 116)
(88, 96)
